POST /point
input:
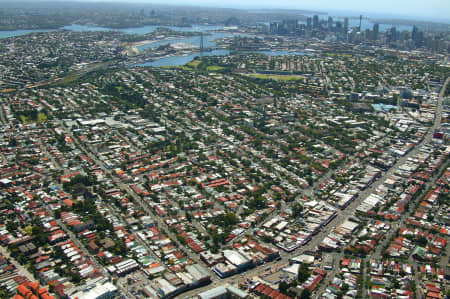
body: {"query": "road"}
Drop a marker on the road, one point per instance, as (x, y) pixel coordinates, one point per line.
(339, 219)
(145, 206)
(337, 257)
(439, 108)
(2, 113)
(21, 270)
(72, 236)
(349, 210)
(81, 246)
(402, 223)
(427, 138)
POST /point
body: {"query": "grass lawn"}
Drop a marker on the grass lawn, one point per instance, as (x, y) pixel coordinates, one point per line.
(24, 119)
(277, 77)
(214, 68)
(41, 117)
(193, 64)
(338, 54)
(28, 230)
(181, 67)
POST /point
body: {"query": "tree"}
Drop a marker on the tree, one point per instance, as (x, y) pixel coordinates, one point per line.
(422, 241)
(303, 273)
(257, 203)
(12, 142)
(75, 277)
(226, 220)
(11, 226)
(283, 287)
(188, 217)
(267, 239)
(306, 294)
(297, 209)
(40, 235)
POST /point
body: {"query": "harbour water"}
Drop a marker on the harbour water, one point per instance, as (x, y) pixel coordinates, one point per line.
(209, 39)
(12, 33)
(141, 30)
(147, 29)
(82, 28)
(177, 60)
(181, 60)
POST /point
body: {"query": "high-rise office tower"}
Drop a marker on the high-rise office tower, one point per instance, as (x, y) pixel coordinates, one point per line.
(273, 27)
(417, 37)
(290, 25)
(393, 34)
(415, 31)
(309, 23)
(345, 25)
(316, 21)
(368, 34)
(330, 23)
(376, 30)
(360, 23)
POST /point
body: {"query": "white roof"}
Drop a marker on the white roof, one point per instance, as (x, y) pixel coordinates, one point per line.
(235, 257)
(99, 291)
(349, 225)
(293, 269)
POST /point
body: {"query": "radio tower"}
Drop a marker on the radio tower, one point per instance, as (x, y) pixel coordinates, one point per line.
(201, 44)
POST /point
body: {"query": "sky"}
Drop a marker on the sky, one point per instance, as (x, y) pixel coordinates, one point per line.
(438, 10)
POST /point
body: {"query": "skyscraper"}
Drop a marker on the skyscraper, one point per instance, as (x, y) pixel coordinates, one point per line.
(393, 35)
(415, 31)
(315, 21)
(273, 27)
(417, 37)
(330, 23)
(376, 30)
(360, 23)
(345, 25)
(290, 25)
(309, 23)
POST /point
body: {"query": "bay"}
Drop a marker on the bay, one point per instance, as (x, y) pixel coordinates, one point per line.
(178, 60)
(12, 33)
